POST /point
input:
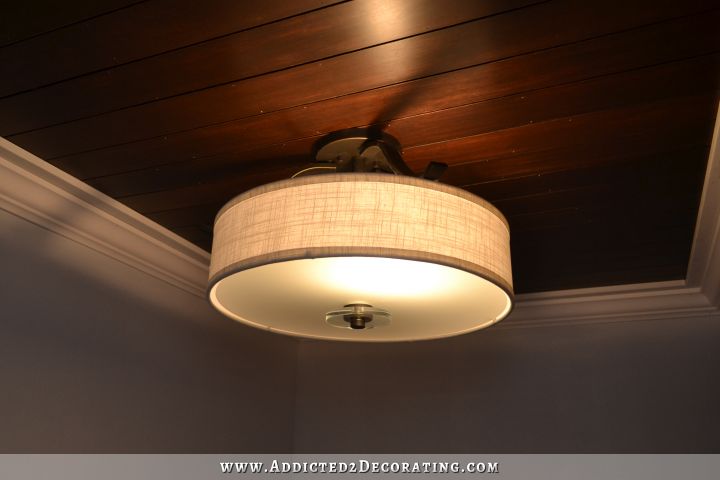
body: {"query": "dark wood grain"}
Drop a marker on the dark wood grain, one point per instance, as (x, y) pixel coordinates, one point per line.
(21, 21)
(592, 255)
(147, 29)
(653, 268)
(249, 53)
(664, 81)
(586, 250)
(501, 36)
(185, 217)
(667, 123)
(604, 278)
(196, 235)
(688, 162)
(552, 67)
(509, 152)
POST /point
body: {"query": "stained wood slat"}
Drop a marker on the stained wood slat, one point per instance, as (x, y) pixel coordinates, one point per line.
(146, 30)
(616, 194)
(594, 248)
(636, 87)
(604, 131)
(557, 66)
(577, 98)
(600, 279)
(652, 125)
(598, 275)
(323, 33)
(480, 176)
(647, 195)
(20, 21)
(577, 217)
(592, 254)
(600, 243)
(195, 235)
(505, 35)
(547, 180)
(187, 217)
(673, 172)
(616, 241)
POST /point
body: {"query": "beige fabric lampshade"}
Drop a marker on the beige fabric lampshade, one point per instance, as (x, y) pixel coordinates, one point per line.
(434, 257)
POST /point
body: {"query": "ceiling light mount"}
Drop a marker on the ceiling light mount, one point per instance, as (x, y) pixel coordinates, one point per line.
(368, 232)
(364, 150)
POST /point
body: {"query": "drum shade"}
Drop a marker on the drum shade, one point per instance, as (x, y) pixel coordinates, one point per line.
(361, 257)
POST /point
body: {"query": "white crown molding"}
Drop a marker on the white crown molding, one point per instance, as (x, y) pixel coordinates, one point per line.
(35, 190)
(704, 266)
(42, 194)
(618, 303)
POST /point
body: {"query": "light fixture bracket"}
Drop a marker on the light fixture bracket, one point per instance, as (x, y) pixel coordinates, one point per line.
(363, 150)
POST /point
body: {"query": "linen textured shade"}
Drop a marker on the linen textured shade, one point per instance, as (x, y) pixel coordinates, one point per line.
(436, 257)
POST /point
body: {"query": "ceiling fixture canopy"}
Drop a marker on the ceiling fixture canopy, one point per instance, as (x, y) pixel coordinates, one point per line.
(366, 252)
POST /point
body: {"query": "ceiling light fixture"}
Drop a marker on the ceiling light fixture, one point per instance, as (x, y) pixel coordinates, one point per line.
(367, 252)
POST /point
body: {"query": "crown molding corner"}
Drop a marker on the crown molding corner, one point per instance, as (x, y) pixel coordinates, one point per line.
(38, 192)
(704, 265)
(620, 303)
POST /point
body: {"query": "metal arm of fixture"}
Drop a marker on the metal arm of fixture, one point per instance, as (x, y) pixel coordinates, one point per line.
(392, 157)
(434, 170)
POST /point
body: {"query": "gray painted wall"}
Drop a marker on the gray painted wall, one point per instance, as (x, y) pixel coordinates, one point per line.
(96, 356)
(628, 387)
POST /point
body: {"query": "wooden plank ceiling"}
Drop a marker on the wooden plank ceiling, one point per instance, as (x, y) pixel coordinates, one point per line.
(587, 123)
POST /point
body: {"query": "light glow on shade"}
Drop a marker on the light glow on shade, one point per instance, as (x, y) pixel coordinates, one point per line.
(377, 276)
(293, 297)
(435, 257)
